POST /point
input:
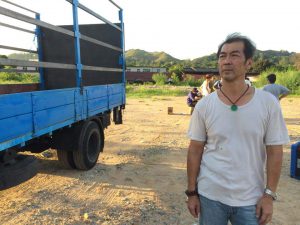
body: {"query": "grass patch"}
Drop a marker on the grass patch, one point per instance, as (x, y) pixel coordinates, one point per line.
(145, 91)
(18, 78)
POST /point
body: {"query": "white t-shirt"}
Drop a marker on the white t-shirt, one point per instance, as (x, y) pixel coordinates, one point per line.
(276, 89)
(233, 161)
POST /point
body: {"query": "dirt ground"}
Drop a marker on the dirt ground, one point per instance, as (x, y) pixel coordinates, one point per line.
(140, 177)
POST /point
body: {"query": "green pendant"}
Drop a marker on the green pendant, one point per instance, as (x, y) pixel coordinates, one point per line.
(234, 107)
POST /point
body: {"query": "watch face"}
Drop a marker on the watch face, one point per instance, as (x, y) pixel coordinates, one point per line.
(271, 193)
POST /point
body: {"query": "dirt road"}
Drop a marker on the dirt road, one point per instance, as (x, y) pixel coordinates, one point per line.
(139, 179)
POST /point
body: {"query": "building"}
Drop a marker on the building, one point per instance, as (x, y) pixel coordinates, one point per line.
(147, 69)
(142, 74)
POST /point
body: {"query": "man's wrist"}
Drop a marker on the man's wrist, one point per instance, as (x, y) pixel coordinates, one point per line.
(190, 193)
(268, 192)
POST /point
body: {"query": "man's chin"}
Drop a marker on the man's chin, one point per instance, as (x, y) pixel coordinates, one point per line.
(227, 76)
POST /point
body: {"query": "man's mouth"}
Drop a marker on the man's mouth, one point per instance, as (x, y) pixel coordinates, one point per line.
(227, 70)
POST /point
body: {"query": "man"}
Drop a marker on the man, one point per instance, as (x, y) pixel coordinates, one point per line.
(247, 81)
(192, 99)
(207, 85)
(277, 90)
(233, 131)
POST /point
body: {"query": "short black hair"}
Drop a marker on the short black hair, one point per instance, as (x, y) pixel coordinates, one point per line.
(249, 46)
(271, 78)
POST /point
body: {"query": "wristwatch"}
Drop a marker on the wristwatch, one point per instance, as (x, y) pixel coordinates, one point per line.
(271, 193)
(191, 193)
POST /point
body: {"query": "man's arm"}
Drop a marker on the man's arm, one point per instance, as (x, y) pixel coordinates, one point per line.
(283, 95)
(264, 208)
(284, 92)
(274, 162)
(194, 158)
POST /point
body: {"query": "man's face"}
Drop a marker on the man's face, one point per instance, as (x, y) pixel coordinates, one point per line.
(232, 62)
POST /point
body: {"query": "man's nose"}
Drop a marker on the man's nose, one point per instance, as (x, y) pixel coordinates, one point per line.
(227, 60)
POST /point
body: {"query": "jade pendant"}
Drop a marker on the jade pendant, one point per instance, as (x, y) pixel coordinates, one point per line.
(234, 108)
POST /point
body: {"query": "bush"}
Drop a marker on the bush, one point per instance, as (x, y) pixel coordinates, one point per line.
(175, 79)
(192, 81)
(18, 78)
(159, 78)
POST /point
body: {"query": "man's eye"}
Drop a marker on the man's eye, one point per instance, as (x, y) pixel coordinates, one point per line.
(221, 56)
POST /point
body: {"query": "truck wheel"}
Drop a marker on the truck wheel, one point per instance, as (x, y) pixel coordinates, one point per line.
(16, 171)
(66, 158)
(89, 146)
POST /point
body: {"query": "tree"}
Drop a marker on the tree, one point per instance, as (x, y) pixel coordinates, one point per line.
(3, 57)
(261, 65)
(177, 70)
(159, 78)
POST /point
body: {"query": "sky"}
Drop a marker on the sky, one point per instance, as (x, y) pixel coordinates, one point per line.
(184, 29)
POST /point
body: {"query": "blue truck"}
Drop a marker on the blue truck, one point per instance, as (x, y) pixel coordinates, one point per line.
(81, 90)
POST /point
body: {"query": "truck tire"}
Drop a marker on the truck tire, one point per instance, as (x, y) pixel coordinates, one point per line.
(89, 146)
(21, 169)
(66, 158)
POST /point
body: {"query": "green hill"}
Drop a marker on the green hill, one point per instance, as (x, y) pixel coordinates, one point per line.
(138, 57)
(262, 59)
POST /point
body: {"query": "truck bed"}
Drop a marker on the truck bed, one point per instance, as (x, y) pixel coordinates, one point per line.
(27, 115)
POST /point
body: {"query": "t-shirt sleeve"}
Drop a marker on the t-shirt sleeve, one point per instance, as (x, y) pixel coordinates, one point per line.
(277, 133)
(197, 128)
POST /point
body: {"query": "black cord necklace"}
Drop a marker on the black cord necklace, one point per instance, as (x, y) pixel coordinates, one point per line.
(234, 107)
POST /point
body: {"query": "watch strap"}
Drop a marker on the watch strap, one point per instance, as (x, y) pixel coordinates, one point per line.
(191, 193)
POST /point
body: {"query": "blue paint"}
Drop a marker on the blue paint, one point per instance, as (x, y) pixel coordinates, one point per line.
(77, 44)
(122, 46)
(14, 104)
(13, 127)
(295, 161)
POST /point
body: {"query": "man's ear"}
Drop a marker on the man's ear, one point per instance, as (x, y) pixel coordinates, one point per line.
(249, 63)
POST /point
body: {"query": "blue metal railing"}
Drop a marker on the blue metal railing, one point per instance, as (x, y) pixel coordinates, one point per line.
(76, 4)
(40, 52)
(77, 44)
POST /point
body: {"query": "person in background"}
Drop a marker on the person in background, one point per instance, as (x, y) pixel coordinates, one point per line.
(218, 83)
(277, 90)
(193, 98)
(207, 86)
(170, 80)
(229, 153)
(247, 81)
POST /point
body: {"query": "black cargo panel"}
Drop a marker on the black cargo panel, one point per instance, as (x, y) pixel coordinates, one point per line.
(59, 48)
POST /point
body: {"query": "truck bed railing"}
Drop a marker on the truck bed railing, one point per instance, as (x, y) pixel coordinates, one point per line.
(75, 33)
(7, 12)
(16, 62)
(95, 15)
(19, 6)
(16, 28)
(18, 49)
